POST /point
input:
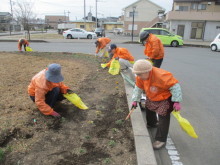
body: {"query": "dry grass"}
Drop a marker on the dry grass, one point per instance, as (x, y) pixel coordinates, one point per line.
(38, 36)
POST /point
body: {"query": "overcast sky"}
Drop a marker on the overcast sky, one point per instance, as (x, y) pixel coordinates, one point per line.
(105, 8)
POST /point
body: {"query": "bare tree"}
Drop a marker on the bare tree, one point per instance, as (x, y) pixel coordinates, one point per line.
(23, 14)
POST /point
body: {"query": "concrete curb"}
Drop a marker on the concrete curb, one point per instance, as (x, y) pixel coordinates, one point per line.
(9, 40)
(143, 144)
(195, 45)
(123, 42)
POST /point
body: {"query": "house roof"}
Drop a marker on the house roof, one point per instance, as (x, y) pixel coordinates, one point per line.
(80, 21)
(139, 1)
(4, 13)
(198, 16)
(113, 23)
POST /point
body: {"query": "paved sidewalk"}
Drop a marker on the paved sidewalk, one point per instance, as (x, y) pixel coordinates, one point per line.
(197, 43)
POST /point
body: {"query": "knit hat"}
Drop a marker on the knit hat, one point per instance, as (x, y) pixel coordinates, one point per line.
(142, 66)
(53, 74)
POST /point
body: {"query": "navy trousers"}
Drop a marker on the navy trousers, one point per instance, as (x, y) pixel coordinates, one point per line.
(51, 97)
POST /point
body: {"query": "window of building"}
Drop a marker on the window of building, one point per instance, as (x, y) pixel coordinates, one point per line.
(131, 14)
(197, 30)
(82, 26)
(183, 8)
(194, 6)
(130, 27)
(202, 7)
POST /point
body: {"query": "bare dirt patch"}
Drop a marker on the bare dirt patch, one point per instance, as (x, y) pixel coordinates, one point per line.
(81, 137)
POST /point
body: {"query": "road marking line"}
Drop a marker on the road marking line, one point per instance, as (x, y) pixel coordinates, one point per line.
(172, 152)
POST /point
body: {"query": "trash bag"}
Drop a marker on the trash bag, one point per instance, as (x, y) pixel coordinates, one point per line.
(185, 124)
(104, 53)
(75, 99)
(29, 49)
(114, 67)
(104, 65)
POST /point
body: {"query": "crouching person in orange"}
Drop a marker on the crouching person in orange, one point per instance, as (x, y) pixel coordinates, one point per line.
(163, 95)
(125, 58)
(46, 88)
(101, 46)
(22, 42)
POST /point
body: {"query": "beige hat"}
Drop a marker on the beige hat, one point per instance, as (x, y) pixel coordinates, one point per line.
(142, 66)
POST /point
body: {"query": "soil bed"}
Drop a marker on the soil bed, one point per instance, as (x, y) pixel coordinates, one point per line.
(95, 136)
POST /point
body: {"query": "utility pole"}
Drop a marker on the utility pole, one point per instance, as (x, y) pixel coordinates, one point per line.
(132, 33)
(96, 20)
(85, 14)
(68, 13)
(11, 19)
(65, 15)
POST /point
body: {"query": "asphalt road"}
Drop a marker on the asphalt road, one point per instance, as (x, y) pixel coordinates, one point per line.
(198, 72)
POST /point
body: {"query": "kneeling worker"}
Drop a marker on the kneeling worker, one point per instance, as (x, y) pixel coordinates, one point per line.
(46, 88)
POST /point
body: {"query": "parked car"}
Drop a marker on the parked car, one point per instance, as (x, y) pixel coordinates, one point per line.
(166, 37)
(100, 32)
(118, 31)
(78, 33)
(215, 45)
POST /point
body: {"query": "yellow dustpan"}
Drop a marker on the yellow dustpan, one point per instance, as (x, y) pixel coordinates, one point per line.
(76, 100)
(185, 124)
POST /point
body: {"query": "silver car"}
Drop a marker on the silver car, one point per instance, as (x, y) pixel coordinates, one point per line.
(78, 33)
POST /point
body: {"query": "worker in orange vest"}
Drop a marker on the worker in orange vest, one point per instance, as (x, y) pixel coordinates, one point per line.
(46, 88)
(154, 49)
(125, 58)
(123, 55)
(101, 46)
(22, 42)
(163, 95)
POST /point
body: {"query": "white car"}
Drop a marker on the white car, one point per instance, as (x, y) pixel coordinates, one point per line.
(117, 31)
(215, 45)
(78, 33)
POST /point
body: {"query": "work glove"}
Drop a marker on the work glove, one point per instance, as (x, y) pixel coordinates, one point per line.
(69, 91)
(134, 105)
(176, 106)
(55, 114)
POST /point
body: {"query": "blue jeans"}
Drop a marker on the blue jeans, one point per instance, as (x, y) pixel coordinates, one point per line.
(51, 97)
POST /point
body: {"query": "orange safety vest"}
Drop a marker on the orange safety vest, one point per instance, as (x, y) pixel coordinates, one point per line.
(20, 44)
(102, 43)
(154, 48)
(39, 87)
(157, 85)
(122, 53)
